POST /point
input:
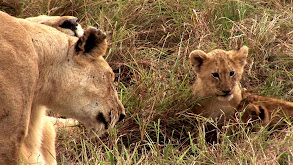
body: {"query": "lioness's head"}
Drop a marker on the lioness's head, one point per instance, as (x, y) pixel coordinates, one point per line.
(219, 71)
(82, 85)
(66, 24)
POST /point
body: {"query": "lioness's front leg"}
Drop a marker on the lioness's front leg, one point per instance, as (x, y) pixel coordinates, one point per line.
(48, 142)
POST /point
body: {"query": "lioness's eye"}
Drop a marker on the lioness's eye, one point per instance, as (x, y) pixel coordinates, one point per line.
(232, 73)
(216, 75)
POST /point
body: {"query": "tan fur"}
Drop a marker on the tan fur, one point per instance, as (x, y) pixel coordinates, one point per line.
(267, 110)
(70, 125)
(48, 142)
(51, 125)
(215, 75)
(40, 141)
(43, 68)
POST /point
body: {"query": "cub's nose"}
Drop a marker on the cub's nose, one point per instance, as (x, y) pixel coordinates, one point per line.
(226, 92)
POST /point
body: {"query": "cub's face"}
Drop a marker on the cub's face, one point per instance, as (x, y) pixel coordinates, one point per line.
(219, 71)
(83, 84)
(66, 24)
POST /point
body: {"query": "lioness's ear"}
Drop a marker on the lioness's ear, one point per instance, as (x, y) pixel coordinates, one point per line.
(70, 26)
(197, 58)
(241, 55)
(68, 23)
(93, 42)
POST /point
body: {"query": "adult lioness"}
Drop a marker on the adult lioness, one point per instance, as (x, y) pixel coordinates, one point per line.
(217, 87)
(41, 66)
(266, 110)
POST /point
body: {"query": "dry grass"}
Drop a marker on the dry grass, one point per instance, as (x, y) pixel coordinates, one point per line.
(150, 43)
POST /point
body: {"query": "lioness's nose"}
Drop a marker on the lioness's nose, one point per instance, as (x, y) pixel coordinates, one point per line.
(226, 92)
(121, 109)
(121, 117)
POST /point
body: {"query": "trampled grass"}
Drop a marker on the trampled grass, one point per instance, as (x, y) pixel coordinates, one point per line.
(149, 46)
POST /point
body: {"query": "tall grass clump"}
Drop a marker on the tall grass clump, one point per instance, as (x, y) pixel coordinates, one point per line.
(149, 46)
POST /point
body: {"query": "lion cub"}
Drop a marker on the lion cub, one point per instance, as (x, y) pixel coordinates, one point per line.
(217, 87)
(267, 110)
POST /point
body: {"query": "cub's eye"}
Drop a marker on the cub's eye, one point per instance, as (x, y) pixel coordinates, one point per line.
(232, 73)
(216, 75)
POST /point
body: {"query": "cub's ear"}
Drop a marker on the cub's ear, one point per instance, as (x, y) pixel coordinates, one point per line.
(241, 55)
(93, 43)
(197, 58)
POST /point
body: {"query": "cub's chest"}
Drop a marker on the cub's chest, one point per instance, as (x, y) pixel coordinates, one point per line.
(214, 108)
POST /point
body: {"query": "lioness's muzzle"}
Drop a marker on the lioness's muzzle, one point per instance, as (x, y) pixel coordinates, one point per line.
(101, 118)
